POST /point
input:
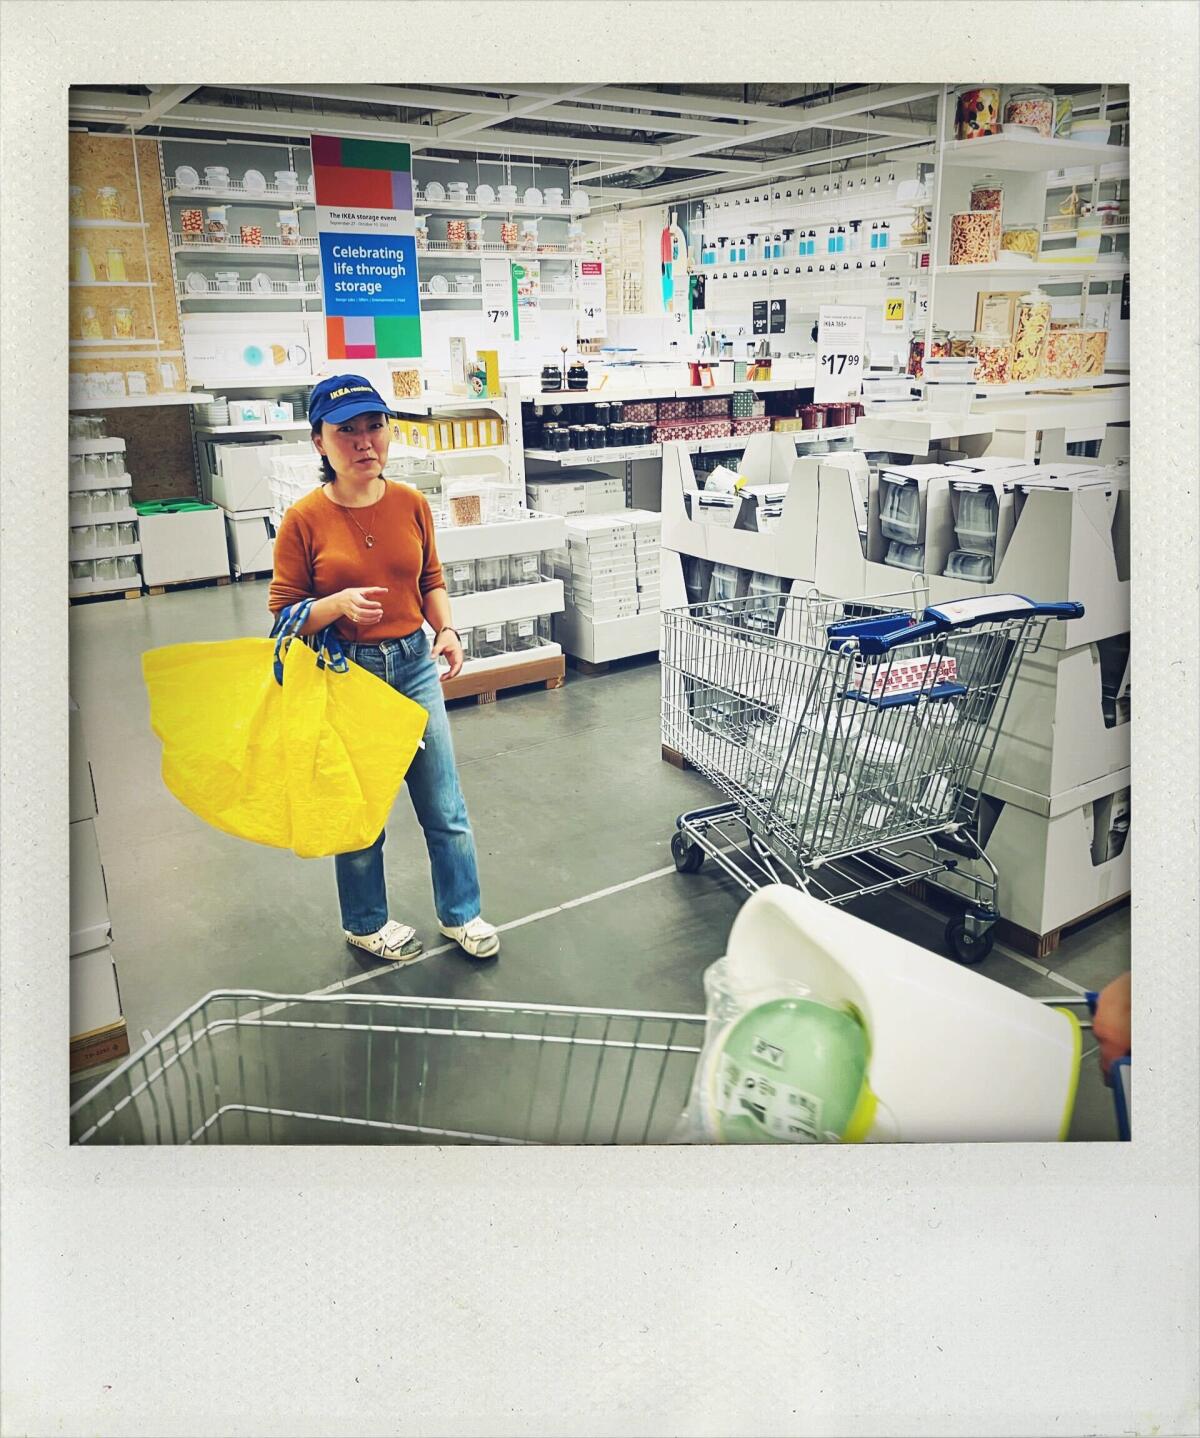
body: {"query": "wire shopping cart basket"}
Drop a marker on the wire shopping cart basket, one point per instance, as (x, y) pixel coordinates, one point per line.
(246, 1067)
(851, 737)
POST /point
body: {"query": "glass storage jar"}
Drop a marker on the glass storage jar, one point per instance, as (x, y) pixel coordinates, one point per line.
(491, 573)
(106, 570)
(977, 112)
(1095, 344)
(1029, 338)
(489, 641)
(521, 634)
(994, 355)
(975, 237)
(962, 342)
(83, 538)
(460, 576)
(1064, 354)
(127, 566)
(1021, 240)
(127, 532)
(1031, 107)
(525, 568)
(106, 536)
(987, 193)
(82, 570)
(102, 501)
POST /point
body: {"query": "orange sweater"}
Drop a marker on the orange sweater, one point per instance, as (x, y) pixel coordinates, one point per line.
(319, 551)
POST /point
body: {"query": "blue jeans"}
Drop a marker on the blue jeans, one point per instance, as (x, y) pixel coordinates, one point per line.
(433, 787)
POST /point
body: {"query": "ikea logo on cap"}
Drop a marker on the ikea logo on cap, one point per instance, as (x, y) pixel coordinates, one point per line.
(351, 389)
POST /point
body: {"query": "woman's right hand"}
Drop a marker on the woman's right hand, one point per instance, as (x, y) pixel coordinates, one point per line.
(360, 606)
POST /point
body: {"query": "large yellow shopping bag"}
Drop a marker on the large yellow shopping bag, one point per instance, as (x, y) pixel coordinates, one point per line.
(281, 743)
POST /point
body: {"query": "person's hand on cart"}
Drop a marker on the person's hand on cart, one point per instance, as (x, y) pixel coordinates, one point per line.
(1111, 1022)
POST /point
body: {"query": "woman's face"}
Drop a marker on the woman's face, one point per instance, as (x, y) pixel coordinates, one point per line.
(357, 447)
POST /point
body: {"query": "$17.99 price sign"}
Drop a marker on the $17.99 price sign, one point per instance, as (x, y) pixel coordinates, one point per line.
(841, 353)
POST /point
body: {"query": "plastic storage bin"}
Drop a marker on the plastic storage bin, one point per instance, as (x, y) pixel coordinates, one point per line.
(724, 583)
(968, 564)
(976, 521)
(905, 556)
(489, 641)
(522, 634)
(525, 568)
(491, 573)
(899, 508)
(460, 577)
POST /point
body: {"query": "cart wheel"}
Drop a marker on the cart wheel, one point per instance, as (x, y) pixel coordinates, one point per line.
(688, 857)
(967, 948)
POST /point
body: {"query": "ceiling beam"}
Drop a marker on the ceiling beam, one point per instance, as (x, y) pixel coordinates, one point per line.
(102, 101)
(165, 98)
(636, 120)
(516, 109)
(888, 125)
(463, 101)
(775, 170)
(784, 122)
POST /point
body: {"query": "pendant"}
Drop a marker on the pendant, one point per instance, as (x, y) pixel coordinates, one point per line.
(370, 538)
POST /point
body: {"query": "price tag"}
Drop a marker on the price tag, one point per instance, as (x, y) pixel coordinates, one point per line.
(497, 298)
(841, 346)
(591, 297)
(759, 317)
(893, 310)
(778, 317)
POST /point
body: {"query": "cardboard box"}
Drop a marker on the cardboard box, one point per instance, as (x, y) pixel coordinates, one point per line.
(458, 365)
(95, 995)
(251, 544)
(238, 474)
(91, 925)
(434, 435)
(490, 359)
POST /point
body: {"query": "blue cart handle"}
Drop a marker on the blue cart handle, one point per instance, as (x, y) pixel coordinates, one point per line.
(884, 632)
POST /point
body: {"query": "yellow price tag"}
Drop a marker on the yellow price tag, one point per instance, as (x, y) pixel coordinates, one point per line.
(893, 310)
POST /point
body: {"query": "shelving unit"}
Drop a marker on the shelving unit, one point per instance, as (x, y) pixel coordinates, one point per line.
(142, 401)
(270, 244)
(496, 210)
(110, 284)
(78, 224)
(239, 195)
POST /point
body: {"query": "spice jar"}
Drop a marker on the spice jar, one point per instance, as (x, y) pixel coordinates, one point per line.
(987, 193)
(1064, 354)
(1020, 240)
(108, 203)
(89, 323)
(122, 323)
(975, 237)
(994, 352)
(1029, 337)
(509, 234)
(114, 266)
(75, 202)
(577, 376)
(1031, 107)
(551, 377)
(977, 112)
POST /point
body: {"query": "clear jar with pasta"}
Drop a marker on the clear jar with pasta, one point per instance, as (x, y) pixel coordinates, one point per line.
(1029, 337)
(1032, 108)
(1095, 345)
(939, 348)
(1064, 354)
(994, 355)
(977, 112)
(962, 342)
(1021, 240)
(975, 237)
(987, 193)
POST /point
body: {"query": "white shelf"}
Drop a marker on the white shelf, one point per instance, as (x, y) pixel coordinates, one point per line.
(146, 343)
(570, 458)
(813, 436)
(518, 601)
(108, 224)
(109, 284)
(1023, 150)
(96, 446)
(474, 296)
(111, 516)
(78, 555)
(271, 427)
(432, 403)
(799, 268)
(497, 252)
(280, 290)
(1041, 269)
(271, 245)
(144, 401)
(469, 207)
(239, 195)
(458, 543)
(264, 381)
(437, 453)
(78, 589)
(1036, 386)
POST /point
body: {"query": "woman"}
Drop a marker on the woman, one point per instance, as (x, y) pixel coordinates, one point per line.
(364, 550)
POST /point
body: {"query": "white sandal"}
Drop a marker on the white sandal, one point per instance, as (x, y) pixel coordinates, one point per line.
(395, 942)
(477, 938)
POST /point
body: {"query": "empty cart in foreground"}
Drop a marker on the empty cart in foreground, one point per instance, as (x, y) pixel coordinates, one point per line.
(851, 737)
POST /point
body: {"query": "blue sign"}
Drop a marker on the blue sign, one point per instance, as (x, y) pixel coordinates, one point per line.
(365, 274)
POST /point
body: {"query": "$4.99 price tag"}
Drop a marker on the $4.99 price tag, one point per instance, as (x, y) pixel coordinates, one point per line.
(841, 353)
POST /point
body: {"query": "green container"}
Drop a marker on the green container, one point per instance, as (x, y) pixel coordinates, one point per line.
(794, 1071)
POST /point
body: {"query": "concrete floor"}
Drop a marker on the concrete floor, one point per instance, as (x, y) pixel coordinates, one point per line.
(568, 796)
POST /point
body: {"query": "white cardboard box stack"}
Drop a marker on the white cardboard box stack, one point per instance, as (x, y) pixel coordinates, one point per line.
(647, 549)
(582, 491)
(600, 569)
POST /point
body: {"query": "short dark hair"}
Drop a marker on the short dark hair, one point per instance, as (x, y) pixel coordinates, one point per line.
(327, 472)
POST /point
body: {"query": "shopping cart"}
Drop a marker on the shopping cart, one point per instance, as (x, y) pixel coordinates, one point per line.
(247, 1067)
(851, 737)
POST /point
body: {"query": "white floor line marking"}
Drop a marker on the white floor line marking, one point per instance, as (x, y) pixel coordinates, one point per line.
(1083, 1058)
(355, 979)
(147, 1036)
(1045, 973)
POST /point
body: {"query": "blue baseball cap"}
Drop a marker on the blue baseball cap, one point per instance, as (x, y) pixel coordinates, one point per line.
(343, 396)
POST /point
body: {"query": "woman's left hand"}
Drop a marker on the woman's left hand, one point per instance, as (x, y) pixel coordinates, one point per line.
(449, 644)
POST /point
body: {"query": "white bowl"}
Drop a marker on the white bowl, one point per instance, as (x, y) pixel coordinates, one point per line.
(1091, 134)
(485, 195)
(254, 182)
(580, 200)
(507, 194)
(435, 191)
(186, 178)
(533, 196)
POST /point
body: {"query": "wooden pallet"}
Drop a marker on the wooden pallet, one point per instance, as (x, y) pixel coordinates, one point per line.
(484, 685)
(216, 581)
(255, 574)
(111, 594)
(673, 756)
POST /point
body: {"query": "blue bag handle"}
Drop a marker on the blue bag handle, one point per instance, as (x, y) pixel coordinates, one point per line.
(287, 626)
(884, 632)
